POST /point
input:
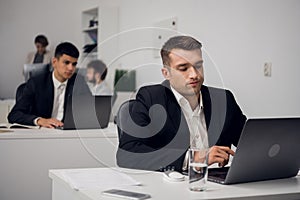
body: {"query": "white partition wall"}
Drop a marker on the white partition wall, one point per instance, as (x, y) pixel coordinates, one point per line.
(27, 155)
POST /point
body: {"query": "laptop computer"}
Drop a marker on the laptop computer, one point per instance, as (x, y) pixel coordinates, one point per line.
(268, 149)
(87, 112)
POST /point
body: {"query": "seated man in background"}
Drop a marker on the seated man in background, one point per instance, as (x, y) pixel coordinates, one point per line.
(165, 120)
(96, 74)
(44, 97)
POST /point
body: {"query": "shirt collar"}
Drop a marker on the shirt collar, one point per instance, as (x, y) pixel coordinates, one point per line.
(180, 99)
(56, 82)
(99, 84)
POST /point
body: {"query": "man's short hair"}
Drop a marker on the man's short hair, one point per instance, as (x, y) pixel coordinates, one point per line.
(66, 48)
(99, 67)
(41, 39)
(178, 42)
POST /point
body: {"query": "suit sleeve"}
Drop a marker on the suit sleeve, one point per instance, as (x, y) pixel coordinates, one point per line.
(30, 58)
(21, 111)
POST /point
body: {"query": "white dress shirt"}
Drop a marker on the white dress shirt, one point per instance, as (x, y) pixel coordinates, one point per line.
(196, 123)
(59, 98)
(100, 89)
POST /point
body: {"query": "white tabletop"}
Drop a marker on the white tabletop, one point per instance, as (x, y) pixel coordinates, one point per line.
(8, 101)
(46, 133)
(154, 184)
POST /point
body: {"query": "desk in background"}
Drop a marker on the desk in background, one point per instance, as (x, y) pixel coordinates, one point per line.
(154, 184)
(27, 155)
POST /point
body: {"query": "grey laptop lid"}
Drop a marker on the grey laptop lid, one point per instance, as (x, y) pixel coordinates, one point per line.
(87, 112)
(268, 149)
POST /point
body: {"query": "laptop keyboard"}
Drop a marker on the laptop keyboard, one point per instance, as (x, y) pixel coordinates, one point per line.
(217, 174)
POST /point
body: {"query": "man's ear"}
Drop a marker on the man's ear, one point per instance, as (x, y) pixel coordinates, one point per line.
(54, 61)
(97, 76)
(166, 73)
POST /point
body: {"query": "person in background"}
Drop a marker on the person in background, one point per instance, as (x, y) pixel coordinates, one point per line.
(95, 75)
(44, 98)
(41, 55)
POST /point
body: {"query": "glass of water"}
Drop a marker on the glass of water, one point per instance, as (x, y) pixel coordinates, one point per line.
(198, 169)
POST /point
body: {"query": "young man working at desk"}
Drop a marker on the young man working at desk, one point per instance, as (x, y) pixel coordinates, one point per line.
(165, 120)
(44, 97)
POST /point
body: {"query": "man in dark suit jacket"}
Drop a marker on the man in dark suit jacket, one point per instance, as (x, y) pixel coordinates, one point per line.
(156, 129)
(45, 96)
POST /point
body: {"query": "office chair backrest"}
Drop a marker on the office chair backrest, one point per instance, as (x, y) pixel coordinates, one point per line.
(122, 116)
(19, 92)
(31, 70)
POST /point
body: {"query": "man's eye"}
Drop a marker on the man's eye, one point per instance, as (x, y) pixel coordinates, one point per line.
(67, 62)
(182, 69)
(198, 67)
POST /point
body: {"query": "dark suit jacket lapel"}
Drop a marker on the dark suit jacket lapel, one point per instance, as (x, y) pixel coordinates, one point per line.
(69, 90)
(206, 104)
(68, 94)
(50, 94)
(212, 106)
(172, 106)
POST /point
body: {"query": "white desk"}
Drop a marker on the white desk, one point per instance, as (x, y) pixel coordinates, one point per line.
(161, 189)
(26, 156)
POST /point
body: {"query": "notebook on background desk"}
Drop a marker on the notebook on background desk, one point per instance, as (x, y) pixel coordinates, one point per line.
(268, 149)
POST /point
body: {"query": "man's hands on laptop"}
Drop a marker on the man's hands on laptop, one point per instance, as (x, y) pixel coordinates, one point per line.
(49, 123)
(219, 154)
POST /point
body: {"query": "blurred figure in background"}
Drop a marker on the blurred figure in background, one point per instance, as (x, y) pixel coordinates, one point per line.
(41, 55)
(95, 75)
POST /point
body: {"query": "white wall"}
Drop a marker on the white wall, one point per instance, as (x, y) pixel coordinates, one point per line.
(239, 35)
(21, 21)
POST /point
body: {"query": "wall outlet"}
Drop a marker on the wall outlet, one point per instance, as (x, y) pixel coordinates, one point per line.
(268, 69)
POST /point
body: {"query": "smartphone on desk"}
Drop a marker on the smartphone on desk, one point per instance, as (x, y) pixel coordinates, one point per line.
(126, 194)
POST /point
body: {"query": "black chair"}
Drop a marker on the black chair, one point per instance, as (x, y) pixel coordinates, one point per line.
(31, 70)
(122, 116)
(19, 91)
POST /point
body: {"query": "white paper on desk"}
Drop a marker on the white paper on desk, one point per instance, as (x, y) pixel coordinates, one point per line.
(100, 178)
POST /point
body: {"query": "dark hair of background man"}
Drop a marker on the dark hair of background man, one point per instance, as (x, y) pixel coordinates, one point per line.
(67, 49)
(99, 67)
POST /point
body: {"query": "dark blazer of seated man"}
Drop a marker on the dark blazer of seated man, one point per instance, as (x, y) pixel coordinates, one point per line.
(45, 96)
(156, 129)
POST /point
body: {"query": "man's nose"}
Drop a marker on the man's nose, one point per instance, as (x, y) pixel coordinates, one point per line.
(70, 67)
(193, 72)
